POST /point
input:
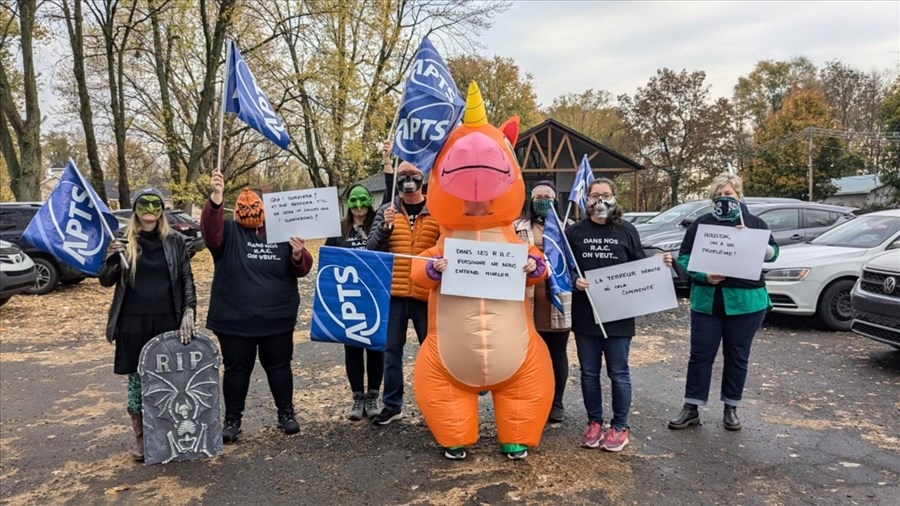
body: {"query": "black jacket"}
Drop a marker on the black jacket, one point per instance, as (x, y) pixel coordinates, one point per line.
(180, 275)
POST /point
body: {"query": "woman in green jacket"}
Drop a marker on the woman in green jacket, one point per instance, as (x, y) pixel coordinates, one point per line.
(723, 310)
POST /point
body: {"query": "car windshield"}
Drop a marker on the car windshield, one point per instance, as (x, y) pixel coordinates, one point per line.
(674, 213)
(863, 232)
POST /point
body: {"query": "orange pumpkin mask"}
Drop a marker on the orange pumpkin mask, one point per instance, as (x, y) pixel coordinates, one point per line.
(248, 210)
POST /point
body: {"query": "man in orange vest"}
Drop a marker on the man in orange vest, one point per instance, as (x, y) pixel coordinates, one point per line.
(403, 226)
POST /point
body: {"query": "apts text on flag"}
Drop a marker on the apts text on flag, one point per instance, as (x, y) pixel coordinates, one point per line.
(68, 225)
(246, 99)
(353, 297)
(429, 109)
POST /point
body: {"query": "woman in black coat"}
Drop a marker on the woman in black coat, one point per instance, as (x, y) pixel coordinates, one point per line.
(154, 295)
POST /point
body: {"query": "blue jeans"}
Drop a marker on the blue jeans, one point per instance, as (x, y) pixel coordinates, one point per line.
(591, 350)
(403, 309)
(736, 335)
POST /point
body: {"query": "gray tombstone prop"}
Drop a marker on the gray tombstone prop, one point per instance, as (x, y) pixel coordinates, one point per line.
(180, 396)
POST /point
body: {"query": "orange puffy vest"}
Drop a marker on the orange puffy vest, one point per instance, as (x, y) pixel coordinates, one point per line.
(411, 241)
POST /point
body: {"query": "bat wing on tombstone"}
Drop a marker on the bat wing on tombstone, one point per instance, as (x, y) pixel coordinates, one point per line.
(196, 389)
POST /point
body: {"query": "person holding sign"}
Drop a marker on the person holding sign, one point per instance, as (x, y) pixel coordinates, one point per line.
(253, 303)
(354, 234)
(723, 310)
(404, 227)
(154, 294)
(552, 324)
(603, 239)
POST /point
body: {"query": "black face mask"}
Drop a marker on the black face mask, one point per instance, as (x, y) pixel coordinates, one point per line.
(409, 183)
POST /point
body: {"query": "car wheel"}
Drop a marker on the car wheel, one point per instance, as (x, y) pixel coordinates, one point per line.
(3, 300)
(48, 277)
(835, 310)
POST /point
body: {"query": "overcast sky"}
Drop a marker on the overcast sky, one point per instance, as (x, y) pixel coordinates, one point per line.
(617, 46)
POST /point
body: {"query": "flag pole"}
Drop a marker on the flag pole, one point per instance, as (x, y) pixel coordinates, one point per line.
(222, 109)
(391, 137)
(580, 275)
(103, 222)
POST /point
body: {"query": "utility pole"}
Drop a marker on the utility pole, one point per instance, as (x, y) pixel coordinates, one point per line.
(809, 136)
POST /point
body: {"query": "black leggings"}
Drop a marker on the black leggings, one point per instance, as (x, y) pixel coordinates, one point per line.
(356, 367)
(557, 342)
(239, 357)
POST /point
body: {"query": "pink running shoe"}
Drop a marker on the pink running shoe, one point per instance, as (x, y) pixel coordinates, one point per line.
(593, 434)
(615, 440)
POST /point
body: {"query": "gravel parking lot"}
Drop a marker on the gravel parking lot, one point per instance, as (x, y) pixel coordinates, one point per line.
(821, 419)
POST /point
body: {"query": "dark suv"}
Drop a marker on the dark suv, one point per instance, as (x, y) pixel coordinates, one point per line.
(179, 221)
(14, 217)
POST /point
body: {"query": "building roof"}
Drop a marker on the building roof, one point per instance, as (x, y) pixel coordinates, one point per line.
(545, 143)
(373, 183)
(857, 185)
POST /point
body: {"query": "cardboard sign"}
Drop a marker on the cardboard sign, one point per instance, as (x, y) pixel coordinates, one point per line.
(310, 214)
(731, 252)
(484, 270)
(632, 289)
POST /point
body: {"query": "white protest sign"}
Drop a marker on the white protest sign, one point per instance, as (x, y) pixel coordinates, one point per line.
(731, 252)
(310, 214)
(484, 270)
(632, 289)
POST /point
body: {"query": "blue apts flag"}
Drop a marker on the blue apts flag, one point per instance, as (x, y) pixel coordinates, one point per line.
(68, 225)
(429, 109)
(583, 179)
(353, 297)
(559, 259)
(245, 98)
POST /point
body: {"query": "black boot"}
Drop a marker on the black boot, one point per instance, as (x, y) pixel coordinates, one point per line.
(137, 425)
(730, 419)
(557, 413)
(231, 430)
(287, 423)
(688, 416)
(356, 411)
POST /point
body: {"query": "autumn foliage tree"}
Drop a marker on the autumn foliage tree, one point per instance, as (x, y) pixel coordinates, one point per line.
(677, 130)
(506, 90)
(780, 170)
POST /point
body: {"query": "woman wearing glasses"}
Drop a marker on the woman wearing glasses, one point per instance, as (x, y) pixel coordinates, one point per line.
(155, 294)
(603, 239)
(354, 234)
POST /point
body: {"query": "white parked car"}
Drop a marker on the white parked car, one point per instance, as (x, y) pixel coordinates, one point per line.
(17, 272)
(816, 278)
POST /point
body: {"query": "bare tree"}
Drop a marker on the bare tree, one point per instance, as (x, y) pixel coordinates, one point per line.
(21, 148)
(74, 20)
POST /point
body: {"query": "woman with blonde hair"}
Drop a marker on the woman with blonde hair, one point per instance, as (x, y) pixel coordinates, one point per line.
(723, 310)
(154, 294)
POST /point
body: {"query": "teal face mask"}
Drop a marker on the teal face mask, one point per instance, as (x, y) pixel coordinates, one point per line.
(541, 207)
(726, 208)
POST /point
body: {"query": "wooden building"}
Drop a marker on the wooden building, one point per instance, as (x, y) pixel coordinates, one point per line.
(552, 151)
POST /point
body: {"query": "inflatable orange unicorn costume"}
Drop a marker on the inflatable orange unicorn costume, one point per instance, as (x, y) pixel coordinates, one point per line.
(475, 192)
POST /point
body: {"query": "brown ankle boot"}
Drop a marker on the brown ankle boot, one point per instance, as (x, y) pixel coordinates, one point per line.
(137, 425)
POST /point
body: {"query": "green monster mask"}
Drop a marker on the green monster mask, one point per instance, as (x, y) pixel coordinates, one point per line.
(148, 204)
(359, 198)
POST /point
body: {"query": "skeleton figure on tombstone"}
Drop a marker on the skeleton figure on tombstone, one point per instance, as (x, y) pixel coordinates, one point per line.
(181, 391)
